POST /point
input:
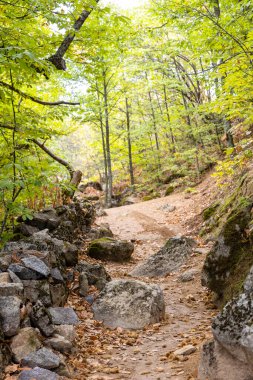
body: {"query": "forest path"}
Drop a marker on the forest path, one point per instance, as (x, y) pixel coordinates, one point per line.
(144, 355)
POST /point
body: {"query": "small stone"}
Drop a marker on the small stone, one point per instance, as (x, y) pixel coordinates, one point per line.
(190, 297)
(38, 373)
(14, 277)
(59, 294)
(43, 358)
(63, 316)
(10, 315)
(59, 343)
(188, 275)
(4, 277)
(25, 273)
(96, 274)
(67, 331)
(202, 251)
(56, 275)
(35, 290)
(41, 319)
(37, 265)
(185, 351)
(168, 208)
(5, 261)
(24, 343)
(83, 284)
(11, 289)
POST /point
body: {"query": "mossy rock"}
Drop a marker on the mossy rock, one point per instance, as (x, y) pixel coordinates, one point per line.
(151, 196)
(109, 249)
(171, 177)
(229, 261)
(169, 190)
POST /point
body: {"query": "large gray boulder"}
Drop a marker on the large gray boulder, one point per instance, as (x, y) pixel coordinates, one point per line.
(168, 259)
(109, 249)
(232, 327)
(232, 348)
(129, 304)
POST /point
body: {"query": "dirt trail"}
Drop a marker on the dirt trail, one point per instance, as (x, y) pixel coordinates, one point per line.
(145, 355)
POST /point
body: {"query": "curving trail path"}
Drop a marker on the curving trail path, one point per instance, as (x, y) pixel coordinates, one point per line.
(146, 355)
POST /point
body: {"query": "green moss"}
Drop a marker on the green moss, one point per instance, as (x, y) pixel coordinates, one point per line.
(96, 246)
(191, 190)
(102, 240)
(234, 284)
(154, 195)
(169, 190)
(209, 211)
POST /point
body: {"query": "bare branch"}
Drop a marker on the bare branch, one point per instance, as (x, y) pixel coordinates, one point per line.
(36, 100)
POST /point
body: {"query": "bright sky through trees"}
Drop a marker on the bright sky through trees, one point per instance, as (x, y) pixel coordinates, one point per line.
(125, 4)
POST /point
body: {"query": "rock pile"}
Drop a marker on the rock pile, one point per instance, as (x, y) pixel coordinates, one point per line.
(33, 292)
(64, 222)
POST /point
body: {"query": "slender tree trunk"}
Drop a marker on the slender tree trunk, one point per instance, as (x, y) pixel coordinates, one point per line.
(154, 122)
(107, 143)
(229, 136)
(103, 145)
(168, 118)
(156, 134)
(129, 142)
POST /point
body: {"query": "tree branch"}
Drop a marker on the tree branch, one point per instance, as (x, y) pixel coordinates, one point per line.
(7, 127)
(57, 59)
(54, 157)
(36, 100)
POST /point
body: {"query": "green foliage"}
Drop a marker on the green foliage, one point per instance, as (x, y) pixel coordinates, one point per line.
(164, 89)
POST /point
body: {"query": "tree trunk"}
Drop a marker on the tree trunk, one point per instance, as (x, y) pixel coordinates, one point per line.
(103, 144)
(129, 142)
(107, 143)
(168, 118)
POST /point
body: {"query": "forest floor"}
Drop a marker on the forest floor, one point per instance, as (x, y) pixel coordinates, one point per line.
(148, 354)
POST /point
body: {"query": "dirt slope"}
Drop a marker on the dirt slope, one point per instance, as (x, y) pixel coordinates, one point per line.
(146, 355)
